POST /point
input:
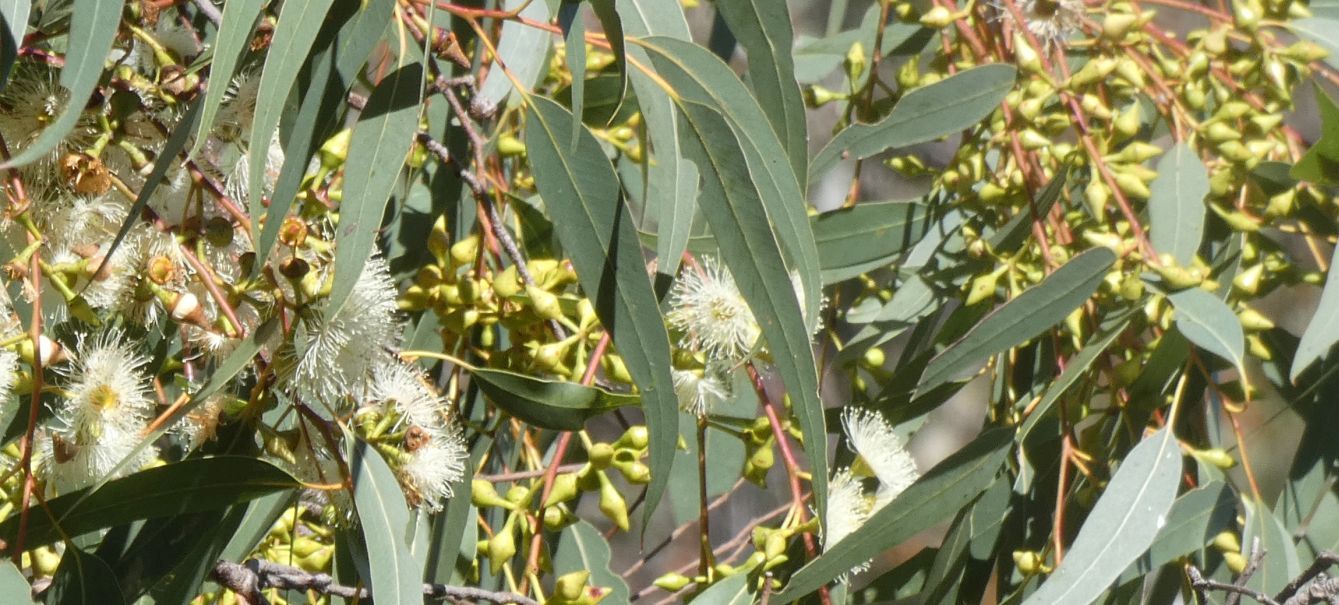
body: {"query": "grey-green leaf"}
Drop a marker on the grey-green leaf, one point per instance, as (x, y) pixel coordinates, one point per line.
(581, 190)
(1322, 332)
(14, 588)
(1176, 208)
(550, 404)
(381, 140)
(924, 114)
(1196, 517)
(523, 50)
(93, 27)
(294, 35)
(948, 486)
(763, 28)
(1320, 30)
(581, 547)
(1075, 369)
(1127, 518)
(1022, 318)
(855, 240)
(235, 32)
(192, 485)
(384, 521)
(1206, 321)
(733, 590)
(84, 579)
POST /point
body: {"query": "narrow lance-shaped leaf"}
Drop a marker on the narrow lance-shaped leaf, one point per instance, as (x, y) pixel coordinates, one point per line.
(83, 579)
(14, 18)
(753, 255)
(613, 32)
(381, 140)
(1132, 510)
(1176, 208)
(521, 49)
(852, 241)
(763, 29)
(93, 27)
(193, 485)
(384, 521)
(1322, 332)
(1075, 369)
(1206, 321)
(235, 32)
(670, 191)
(14, 588)
(550, 404)
(948, 486)
(294, 35)
(1022, 318)
(924, 114)
(581, 191)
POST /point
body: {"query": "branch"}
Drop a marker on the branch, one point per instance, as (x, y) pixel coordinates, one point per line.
(249, 579)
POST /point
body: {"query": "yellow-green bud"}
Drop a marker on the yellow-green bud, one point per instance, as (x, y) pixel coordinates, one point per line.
(636, 437)
(855, 61)
(1116, 25)
(1248, 281)
(465, 251)
(1253, 320)
(672, 582)
(1132, 185)
(570, 586)
(982, 288)
(612, 504)
(510, 146)
(937, 18)
(1218, 458)
(336, 149)
(544, 303)
(601, 455)
(501, 548)
(1226, 541)
(1029, 562)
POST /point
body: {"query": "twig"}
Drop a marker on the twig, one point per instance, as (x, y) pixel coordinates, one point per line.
(210, 11)
(255, 575)
(1200, 584)
(1323, 561)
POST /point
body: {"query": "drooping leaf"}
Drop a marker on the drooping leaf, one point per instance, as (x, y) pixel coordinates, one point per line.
(192, 485)
(384, 520)
(260, 516)
(581, 546)
(1196, 517)
(550, 404)
(294, 36)
(1322, 332)
(1022, 318)
(381, 140)
(521, 49)
(13, 24)
(581, 191)
(334, 68)
(574, 36)
(855, 240)
(234, 34)
(948, 486)
(671, 181)
(1206, 321)
(924, 114)
(1176, 208)
(83, 579)
(763, 28)
(1123, 524)
(93, 27)
(753, 204)
(612, 24)
(1321, 161)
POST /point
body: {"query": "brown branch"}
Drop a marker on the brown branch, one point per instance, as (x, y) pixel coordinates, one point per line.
(250, 578)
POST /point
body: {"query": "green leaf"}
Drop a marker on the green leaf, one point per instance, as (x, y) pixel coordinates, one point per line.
(521, 49)
(93, 27)
(14, 588)
(1196, 517)
(733, 590)
(1022, 318)
(581, 191)
(192, 485)
(385, 524)
(1206, 321)
(581, 546)
(1282, 564)
(671, 181)
(14, 19)
(855, 240)
(924, 114)
(381, 140)
(755, 209)
(234, 35)
(260, 516)
(334, 69)
(1122, 525)
(294, 36)
(574, 39)
(83, 579)
(1012, 235)
(948, 486)
(1322, 332)
(762, 27)
(1176, 208)
(1075, 369)
(613, 32)
(1320, 163)
(550, 404)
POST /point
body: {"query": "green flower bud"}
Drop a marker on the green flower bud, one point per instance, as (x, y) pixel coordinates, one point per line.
(544, 303)
(1256, 346)
(465, 251)
(672, 582)
(856, 63)
(507, 283)
(570, 586)
(1217, 458)
(982, 288)
(612, 504)
(1116, 25)
(335, 149)
(1226, 541)
(510, 146)
(937, 18)
(501, 547)
(1132, 185)
(1253, 320)
(601, 455)
(636, 437)
(1128, 122)
(1248, 281)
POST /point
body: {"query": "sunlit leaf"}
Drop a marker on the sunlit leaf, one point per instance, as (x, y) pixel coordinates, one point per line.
(385, 524)
(1176, 209)
(550, 404)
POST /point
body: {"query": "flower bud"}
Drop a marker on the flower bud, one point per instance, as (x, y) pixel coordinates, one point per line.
(612, 503)
(672, 582)
(636, 437)
(1029, 562)
(570, 586)
(855, 61)
(1132, 185)
(1226, 541)
(465, 251)
(544, 303)
(982, 288)
(336, 149)
(819, 96)
(937, 18)
(1116, 25)
(1218, 458)
(1253, 320)
(501, 547)
(510, 146)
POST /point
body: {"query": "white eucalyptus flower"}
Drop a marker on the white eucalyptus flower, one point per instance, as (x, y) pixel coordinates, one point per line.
(1052, 22)
(848, 509)
(708, 309)
(700, 390)
(433, 467)
(404, 388)
(883, 452)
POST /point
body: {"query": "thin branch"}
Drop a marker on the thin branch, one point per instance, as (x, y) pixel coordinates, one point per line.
(249, 579)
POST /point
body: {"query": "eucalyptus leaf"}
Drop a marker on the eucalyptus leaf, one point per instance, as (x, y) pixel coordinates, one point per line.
(1176, 208)
(550, 404)
(234, 34)
(83, 579)
(581, 547)
(384, 520)
(14, 19)
(853, 240)
(1322, 332)
(1207, 322)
